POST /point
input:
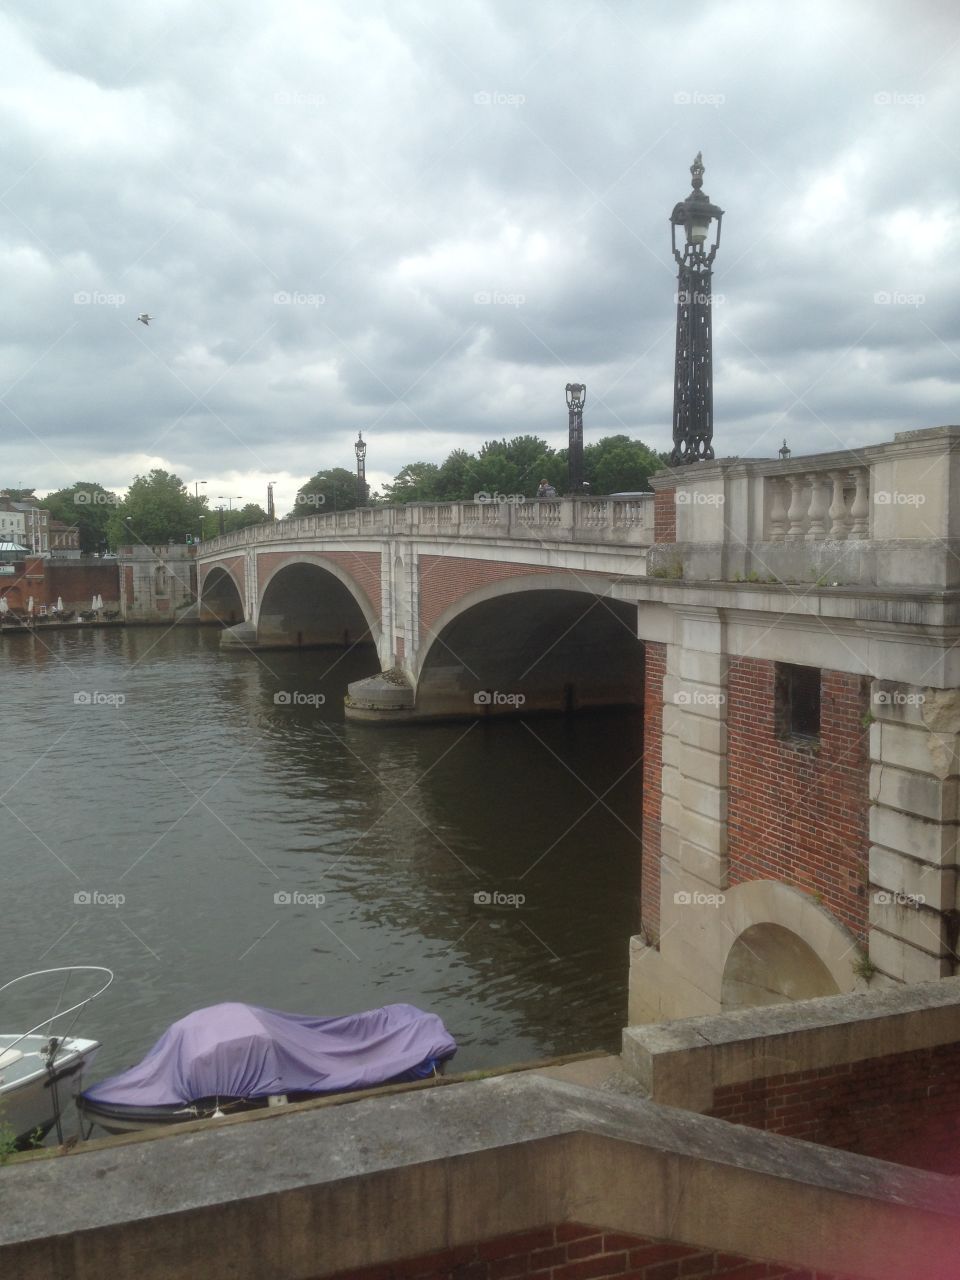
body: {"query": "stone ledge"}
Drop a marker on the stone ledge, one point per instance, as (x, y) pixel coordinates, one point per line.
(682, 1063)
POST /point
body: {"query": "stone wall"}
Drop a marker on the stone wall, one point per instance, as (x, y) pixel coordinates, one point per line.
(798, 811)
(655, 670)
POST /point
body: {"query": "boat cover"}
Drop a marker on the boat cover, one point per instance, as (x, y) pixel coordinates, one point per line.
(242, 1051)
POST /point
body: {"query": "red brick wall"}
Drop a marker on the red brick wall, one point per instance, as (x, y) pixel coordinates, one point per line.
(446, 579)
(799, 813)
(573, 1252)
(665, 516)
(75, 580)
(362, 566)
(655, 668)
(904, 1107)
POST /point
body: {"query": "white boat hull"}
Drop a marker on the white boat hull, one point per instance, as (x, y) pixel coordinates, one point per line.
(33, 1089)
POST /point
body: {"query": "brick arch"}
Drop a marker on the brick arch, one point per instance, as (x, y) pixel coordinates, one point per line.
(515, 580)
(267, 571)
(233, 567)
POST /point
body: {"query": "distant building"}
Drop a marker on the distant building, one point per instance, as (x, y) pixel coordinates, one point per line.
(64, 540)
(25, 522)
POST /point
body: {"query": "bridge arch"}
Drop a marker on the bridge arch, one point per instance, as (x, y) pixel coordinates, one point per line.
(221, 596)
(311, 601)
(533, 642)
(783, 946)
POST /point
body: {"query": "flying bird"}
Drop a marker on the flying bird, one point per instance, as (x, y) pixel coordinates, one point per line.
(145, 319)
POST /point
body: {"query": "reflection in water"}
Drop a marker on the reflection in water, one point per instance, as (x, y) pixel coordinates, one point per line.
(222, 816)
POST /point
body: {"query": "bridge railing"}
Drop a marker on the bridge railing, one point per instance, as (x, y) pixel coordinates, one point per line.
(619, 521)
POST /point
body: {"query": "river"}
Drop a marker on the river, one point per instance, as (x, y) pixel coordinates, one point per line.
(162, 814)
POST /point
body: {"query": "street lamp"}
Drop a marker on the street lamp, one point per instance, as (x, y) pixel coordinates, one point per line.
(576, 398)
(784, 451)
(693, 371)
(360, 449)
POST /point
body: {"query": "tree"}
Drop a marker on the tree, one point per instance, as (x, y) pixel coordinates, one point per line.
(617, 464)
(417, 482)
(332, 490)
(157, 509)
(89, 506)
(244, 516)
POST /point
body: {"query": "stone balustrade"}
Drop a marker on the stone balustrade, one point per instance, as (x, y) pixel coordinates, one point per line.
(883, 515)
(616, 521)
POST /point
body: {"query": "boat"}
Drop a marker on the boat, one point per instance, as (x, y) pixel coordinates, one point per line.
(40, 1073)
(238, 1057)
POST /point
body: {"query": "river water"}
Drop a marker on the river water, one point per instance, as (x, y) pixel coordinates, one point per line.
(180, 826)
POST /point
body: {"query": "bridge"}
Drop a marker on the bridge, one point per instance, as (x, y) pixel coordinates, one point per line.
(526, 604)
(792, 631)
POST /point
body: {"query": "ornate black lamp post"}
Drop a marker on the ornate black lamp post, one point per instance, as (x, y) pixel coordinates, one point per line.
(576, 396)
(693, 379)
(360, 448)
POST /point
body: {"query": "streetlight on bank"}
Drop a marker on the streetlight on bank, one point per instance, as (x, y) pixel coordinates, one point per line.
(360, 449)
(693, 369)
(576, 399)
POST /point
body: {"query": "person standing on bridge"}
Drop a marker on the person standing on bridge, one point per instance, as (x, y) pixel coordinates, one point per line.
(546, 490)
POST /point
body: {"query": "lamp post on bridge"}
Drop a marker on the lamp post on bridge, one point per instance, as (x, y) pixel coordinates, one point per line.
(693, 371)
(576, 398)
(360, 449)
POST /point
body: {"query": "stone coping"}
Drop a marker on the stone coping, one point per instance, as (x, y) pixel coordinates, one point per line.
(681, 1063)
(309, 1194)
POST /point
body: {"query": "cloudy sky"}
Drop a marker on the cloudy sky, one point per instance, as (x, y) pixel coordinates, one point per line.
(421, 219)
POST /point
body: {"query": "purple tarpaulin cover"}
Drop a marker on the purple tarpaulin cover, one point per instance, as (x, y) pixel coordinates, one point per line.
(242, 1051)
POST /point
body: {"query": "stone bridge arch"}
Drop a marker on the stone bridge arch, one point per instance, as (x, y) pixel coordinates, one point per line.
(781, 945)
(556, 640)
(310, 600)
(221, 594)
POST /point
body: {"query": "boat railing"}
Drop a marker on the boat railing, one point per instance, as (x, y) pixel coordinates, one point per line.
(59, 1013)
